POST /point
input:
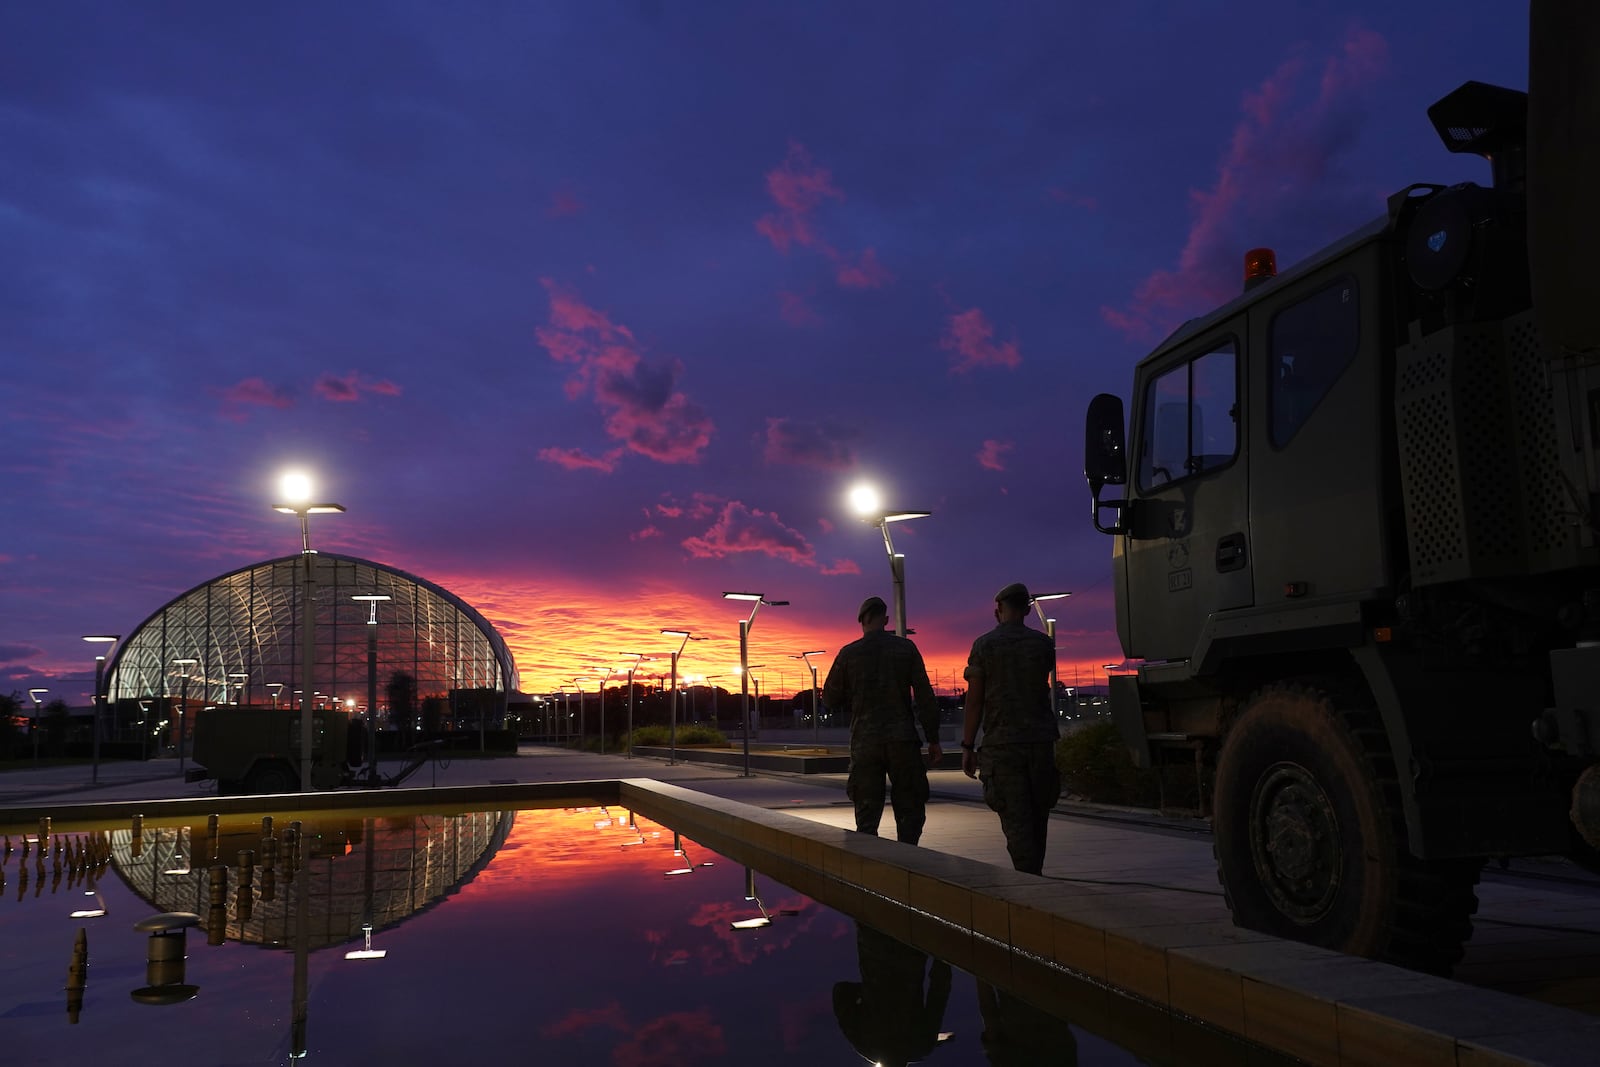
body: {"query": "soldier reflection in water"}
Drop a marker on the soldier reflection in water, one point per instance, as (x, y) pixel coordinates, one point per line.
(888, 1016)
(1017, 1034)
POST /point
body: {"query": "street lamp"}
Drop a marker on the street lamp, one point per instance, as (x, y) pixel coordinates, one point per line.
(99, 680)
(672, 730)
(603, 680)
(276, 688)
(372, 600)
(638, 658)
(566, 705)
(815, 720)
(183, 718)
(864, 498)
(1050, 632)
(37, 695)
(296, 489)
(755, 600)
(241, 685)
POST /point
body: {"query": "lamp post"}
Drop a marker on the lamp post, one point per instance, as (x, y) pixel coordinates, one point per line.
(815, 714)
(755, 600)
(566, 705)
(638, 658)
(372, 600)
(183, 717)
(99, 697)
(238, 685)
(672, 730)
(37, 696)
(603, 680)
(755, 682)
(276, 688)
(864, 498)
(296, 488)
(1050, 632)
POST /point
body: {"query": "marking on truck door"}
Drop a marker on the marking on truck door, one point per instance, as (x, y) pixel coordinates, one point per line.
(1178, 581)
(1178, 555)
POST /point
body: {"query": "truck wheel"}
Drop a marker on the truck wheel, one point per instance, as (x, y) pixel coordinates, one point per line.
(271, 778)
(1310, 839)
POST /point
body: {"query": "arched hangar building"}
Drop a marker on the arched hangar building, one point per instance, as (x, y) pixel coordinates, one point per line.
(236, 639)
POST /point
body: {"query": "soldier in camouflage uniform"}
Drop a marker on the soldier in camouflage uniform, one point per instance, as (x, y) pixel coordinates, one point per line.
(1008, 693)
(877, 678)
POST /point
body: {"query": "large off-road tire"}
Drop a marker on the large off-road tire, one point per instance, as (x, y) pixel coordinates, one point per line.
(1310, 839)
(271, 778)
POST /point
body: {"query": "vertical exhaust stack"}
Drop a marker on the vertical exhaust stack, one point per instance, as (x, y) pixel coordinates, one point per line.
(1564, 172)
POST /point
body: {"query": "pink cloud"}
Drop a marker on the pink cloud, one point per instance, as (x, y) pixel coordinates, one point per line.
(866, 273)
(1070, 198)
(671, 511)
(744, 529)
(573, 459)
(580, 1020)
(349, 388)
(253, 392)
(826, 525)
(810, 444)
(992, 455)
(673, 1039)
(643, 406)
(797, 186)
(645, 534)
(970, 336)
(1272, 178)
(794, 310)
(842, 566)
(563, 205)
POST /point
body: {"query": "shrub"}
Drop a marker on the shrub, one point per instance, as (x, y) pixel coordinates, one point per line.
(695, 734)
(1095, 765)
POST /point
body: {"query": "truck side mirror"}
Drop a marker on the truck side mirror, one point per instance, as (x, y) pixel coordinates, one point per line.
(1105, 456)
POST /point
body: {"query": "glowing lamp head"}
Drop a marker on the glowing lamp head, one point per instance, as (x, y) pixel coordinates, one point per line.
(864, 499)
(295, 487)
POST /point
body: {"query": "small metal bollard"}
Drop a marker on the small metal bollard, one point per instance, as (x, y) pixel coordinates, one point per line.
(77, 975)
(217, 914)
(164, 959)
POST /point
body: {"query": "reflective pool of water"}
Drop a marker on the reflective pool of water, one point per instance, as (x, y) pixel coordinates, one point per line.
(557, 936)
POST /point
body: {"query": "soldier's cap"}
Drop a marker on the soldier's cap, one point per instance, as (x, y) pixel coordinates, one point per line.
(1015, 593)
(871, 607)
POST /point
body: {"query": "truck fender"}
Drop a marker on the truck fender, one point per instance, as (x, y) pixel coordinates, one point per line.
(1369, 660)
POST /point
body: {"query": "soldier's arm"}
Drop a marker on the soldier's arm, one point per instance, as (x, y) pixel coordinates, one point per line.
(927, 703)
(974, 704)
(833, 689)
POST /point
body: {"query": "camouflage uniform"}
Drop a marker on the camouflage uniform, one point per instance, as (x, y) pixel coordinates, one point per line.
(875, 678)
(1016, 760)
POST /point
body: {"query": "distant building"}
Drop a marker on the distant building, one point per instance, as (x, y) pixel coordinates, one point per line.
(243, 632)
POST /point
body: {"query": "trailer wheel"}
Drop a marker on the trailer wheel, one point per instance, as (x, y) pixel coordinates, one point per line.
(1310, 839)
(271, 778)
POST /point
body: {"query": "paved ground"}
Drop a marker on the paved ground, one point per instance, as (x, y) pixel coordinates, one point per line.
(1537, 932)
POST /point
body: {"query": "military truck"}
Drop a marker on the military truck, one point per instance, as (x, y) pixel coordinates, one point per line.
(1357, 557)
(257, 749)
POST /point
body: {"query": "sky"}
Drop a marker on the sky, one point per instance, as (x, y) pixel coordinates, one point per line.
(592, 311)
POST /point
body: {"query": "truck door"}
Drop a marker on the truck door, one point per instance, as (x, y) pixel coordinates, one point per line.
(1187, 548)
